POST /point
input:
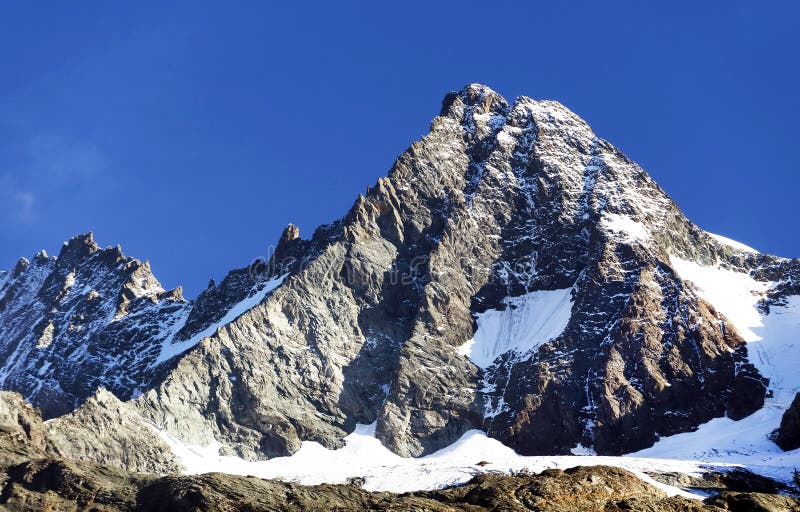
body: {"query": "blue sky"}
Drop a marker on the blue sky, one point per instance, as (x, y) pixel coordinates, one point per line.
(191, 133)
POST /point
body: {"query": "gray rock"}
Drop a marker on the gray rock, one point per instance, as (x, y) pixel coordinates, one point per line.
(21, 432)
(90, 317)
(106, 430)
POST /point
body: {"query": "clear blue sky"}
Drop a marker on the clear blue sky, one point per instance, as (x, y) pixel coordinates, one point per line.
(192, 132)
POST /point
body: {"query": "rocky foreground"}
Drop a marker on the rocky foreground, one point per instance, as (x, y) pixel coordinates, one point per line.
(32, 478)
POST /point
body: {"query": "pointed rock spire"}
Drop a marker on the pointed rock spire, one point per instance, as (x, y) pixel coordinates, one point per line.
(21, 266)
(78, 247)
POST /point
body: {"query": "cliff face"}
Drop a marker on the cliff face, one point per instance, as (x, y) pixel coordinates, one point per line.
(513, 273)
(788, 435)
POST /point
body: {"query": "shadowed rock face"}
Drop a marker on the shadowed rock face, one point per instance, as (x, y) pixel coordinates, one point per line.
(498, 201)
(788, 435)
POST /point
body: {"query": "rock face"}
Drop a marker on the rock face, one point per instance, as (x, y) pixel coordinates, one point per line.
(106, 430)
(788, 435)
(21, 432)
(497, 201)
(579, 489)
(513, 273)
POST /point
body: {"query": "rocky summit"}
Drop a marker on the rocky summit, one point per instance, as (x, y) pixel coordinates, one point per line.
(514, 273)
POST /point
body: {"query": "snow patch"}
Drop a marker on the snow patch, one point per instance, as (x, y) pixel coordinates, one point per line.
(527, 322)
(69, 281)
(46, 339)
(732, 243)
(625, 227)
(773, 342)
(583, 450)
(170, 349)
(722, 440)
(734, 294)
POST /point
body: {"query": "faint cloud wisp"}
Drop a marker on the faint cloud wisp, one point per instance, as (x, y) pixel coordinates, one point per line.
(56, 161)
(25, 206)
(50, 172)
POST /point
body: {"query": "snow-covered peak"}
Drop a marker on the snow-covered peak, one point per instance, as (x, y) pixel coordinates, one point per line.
(474, 99)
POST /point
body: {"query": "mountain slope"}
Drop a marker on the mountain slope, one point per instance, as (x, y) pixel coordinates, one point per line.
(513, 273)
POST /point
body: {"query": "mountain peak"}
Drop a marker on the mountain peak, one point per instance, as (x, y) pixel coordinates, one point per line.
(21, 266)
(79, 246)
(477, 98)
(291, 232)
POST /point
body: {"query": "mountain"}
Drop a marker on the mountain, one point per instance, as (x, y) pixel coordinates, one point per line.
(90, 317)
(513, 273)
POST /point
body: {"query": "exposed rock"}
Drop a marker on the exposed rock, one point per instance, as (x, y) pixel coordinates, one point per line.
(788, 435)
(288, 251)
(754, 502)
(106, 430)
(580, 489)
(737, 480)
(21, 266)
(21, 431)
(59, 485)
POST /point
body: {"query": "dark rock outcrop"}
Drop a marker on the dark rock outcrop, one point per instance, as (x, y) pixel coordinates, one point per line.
(788, 435)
